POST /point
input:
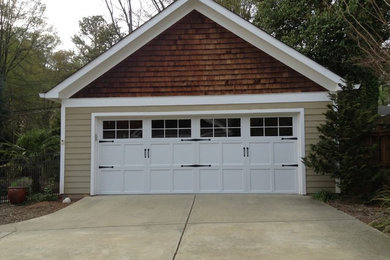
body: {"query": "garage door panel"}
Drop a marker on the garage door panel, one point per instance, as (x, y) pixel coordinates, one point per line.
(261, 180)
(233, 180)
(183, 153)
(111, 181)
(210, 180)
(209, 153)
(260, 153)
(160, 181)
(111, 154)
(160, 155)
(183, 180)
(134, 181)
(285, 152)
(232, 154)
(134, 155)
(285, 180)
(251, 161)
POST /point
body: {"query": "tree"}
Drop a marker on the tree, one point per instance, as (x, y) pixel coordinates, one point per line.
(372, 37)
(123, 14)
(96, 36)
(31, 152)
(341, 151)
(244, 8)
(317, 28)
(22, 29)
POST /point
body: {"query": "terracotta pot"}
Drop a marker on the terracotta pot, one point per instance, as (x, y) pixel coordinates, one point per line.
(17, 195)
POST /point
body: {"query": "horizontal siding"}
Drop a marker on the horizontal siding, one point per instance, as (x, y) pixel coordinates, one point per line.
(78, 138)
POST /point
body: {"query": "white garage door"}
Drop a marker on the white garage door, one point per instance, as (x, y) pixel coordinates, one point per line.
(198, 155)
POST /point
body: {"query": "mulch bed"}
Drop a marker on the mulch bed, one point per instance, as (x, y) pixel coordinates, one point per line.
(14, 213)
(368, 214)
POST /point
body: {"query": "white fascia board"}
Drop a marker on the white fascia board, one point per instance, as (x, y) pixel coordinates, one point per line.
(270, 45)
(120, 51)
(280, 111)
(197, 100)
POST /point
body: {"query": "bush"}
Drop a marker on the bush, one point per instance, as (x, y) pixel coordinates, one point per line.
(325, 196)
(383, 196)
(341, 151)
(47, 194)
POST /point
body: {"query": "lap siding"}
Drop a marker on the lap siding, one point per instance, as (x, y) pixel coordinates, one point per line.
(78, 139)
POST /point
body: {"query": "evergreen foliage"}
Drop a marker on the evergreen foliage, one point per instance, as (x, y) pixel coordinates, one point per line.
(341, 151)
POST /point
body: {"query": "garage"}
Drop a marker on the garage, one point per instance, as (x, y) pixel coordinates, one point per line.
(197, 100)
(203, 154)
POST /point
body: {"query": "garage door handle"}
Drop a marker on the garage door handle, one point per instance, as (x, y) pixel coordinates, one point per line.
(106, 167)
(246, 151)
(196, 165)
(289, 165)
(146, 153)
(103, 141)
(195, 140)
(289, 138)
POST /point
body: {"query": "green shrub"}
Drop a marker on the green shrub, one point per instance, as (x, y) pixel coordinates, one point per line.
(325, 196)
(382, 224)
(47, 194)
(383, 196)
(21, 182)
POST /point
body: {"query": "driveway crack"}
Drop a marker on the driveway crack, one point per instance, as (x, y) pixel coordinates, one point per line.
(184, 229)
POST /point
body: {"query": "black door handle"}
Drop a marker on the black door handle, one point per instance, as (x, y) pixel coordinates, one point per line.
(104, 141)
(106, 167)
(289, 138)
(289, 165)
(196, 165)
(247, 152)
(195, 140)
(148, 153)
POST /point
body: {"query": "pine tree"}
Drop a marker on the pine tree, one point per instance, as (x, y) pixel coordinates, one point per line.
(342, 151)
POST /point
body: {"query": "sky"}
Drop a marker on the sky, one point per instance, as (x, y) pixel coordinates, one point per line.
(64, 16)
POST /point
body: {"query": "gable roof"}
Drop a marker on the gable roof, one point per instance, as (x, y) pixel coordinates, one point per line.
(173, 14)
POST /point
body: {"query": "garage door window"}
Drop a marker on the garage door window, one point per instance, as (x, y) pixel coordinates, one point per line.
(122, 129)
(271, 126)
(171, 128)
(220, 127)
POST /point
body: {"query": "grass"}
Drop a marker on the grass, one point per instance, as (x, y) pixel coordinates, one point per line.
(325, 196)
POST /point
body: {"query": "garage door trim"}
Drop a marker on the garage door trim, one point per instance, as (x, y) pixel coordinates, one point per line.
(298, 113)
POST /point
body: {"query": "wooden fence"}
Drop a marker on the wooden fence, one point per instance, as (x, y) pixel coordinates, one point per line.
(381, 138)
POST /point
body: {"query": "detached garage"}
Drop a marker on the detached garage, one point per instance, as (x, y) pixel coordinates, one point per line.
(197, 100)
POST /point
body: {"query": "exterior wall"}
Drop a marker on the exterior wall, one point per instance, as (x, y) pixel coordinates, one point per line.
(78, 138)
(196, 56)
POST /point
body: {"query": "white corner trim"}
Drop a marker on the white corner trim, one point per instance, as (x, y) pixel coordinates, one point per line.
(62, 150)
(302, 153)
(94, 168)
(197, 100)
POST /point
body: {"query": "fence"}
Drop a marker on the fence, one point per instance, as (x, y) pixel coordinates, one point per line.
(35, 177)
(381, 138)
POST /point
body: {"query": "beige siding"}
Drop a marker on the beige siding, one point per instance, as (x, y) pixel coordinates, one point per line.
(78, 138)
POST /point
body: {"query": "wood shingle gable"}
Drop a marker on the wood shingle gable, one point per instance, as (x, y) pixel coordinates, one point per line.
(196, 57)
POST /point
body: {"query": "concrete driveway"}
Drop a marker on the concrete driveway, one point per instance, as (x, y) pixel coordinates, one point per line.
(185, 227)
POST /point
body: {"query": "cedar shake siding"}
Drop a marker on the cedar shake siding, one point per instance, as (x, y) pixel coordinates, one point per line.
(195, 57)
